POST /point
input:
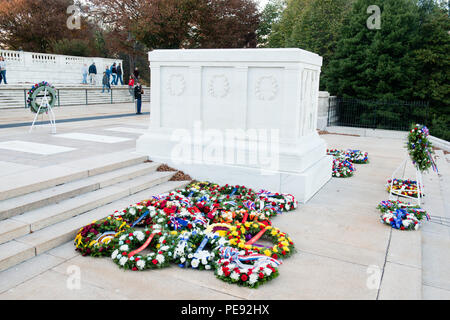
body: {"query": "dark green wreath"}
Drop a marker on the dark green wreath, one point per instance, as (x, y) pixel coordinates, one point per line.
(38, 90)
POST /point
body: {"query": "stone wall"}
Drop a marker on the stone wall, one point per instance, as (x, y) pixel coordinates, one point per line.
(31, 67)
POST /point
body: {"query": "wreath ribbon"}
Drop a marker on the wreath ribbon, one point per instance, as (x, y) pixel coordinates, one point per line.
(233, 255)
(145, 245)
(140, 219)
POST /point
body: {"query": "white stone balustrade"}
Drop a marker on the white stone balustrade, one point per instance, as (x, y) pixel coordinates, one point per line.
(32, 67)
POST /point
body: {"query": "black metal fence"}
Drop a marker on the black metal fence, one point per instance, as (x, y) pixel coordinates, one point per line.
(390, 115)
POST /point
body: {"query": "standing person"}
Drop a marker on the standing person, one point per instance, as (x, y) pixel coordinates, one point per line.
(119, 75)
(108, 73)
(114, 74)
(138, 92)
(105, 82)
(3, 70)
(92, 73)
(136, 74)
(85, 73)
(131, 85)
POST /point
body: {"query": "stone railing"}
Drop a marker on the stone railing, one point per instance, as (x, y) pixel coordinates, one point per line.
(31, 67)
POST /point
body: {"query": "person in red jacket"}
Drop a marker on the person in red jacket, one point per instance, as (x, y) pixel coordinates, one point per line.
(131, 86)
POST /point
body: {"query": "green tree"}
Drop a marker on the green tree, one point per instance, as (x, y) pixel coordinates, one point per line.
(282, 30)
(270, 16)
(432, 61)
(318, 30)
(376, 63)
(312, 26)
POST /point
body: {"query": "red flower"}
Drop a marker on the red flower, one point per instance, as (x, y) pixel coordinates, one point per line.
(261, 275)
(155, 261)
(244, 277)
(134, 269)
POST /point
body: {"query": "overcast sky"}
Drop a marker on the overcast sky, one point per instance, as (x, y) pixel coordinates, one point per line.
(262, 3)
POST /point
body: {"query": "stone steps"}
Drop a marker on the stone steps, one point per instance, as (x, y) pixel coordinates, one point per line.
(44, 207)
(35, 200)
(27, 246)
(45, 216)
(29, 181)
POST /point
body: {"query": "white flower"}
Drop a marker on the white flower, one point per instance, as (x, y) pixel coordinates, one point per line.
(219, 272)
(234, 276)
(124, 247)
(122, 237)
(253, 278)
(195, 263)
(207, 267)
(140, 264)
(139, 235)
(164, 248)
(160, 258)
(204, 260)
(190, 256)
(183, 260)
(267, 271)
(123, 260)
(132, 211)
(114, 254)
(406, 223)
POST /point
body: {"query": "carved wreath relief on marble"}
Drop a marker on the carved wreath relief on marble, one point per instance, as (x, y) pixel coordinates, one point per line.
(176, 85)
(266, 88)
(219, 86)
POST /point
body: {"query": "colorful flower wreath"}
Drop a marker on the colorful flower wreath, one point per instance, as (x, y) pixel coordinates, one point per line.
(197, 249)
(357, 156)
(403, 187)
(245, 235)
(390, 206)
(245, 268)
(142, 214)
(35, 90)
(342, 168)
(420, 148)
(400, 219)
(95, 238)
(128, 247)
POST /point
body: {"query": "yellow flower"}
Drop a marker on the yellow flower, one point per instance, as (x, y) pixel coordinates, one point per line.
(92, 243)
(233, 241)
(234, 233)
(268, 253)
(248, 246)
(247, 224)
(268, 227)
(173, 233)
(255, 225)
(285, 243)
(274, 249)
(273, 232)
(158, 245)
(241, 245)
(286, 249)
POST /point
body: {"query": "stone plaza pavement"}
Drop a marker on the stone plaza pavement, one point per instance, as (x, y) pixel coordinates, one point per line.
(342, 248)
